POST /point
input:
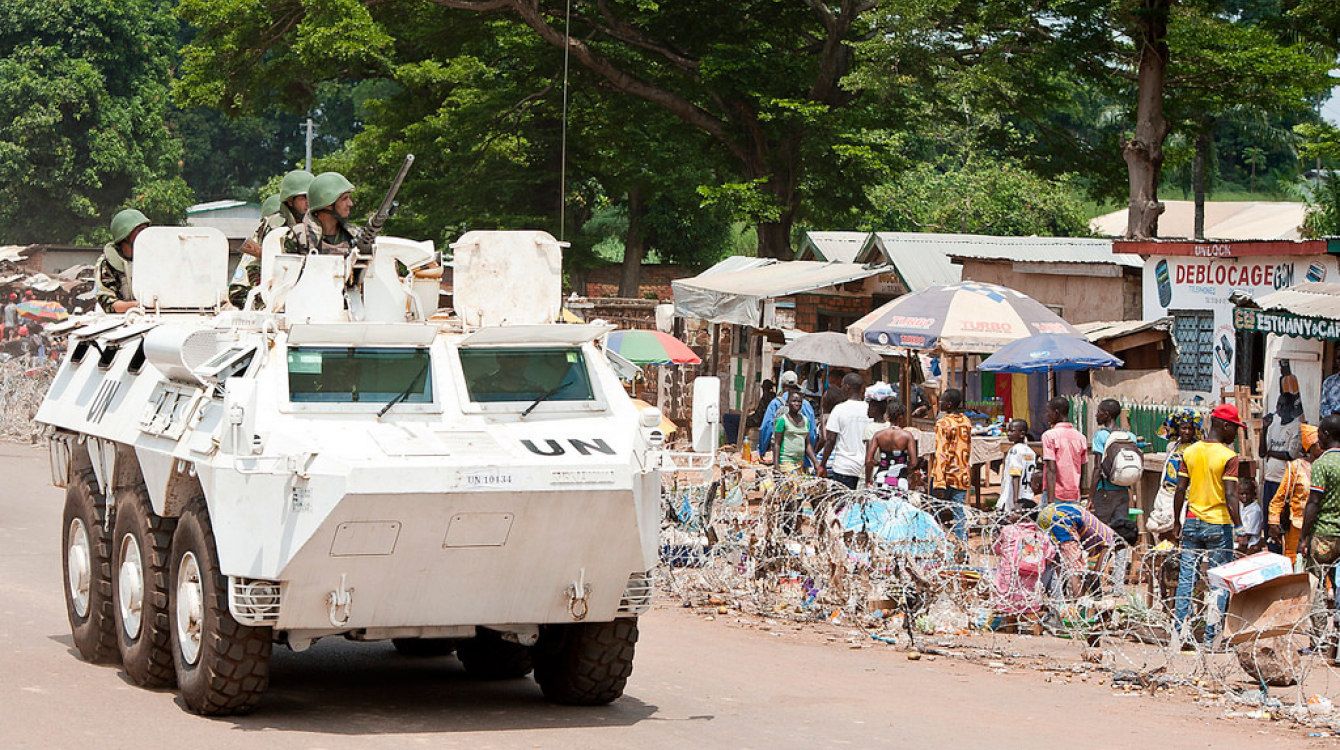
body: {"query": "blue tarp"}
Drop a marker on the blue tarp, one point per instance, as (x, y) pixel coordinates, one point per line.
(897, 524)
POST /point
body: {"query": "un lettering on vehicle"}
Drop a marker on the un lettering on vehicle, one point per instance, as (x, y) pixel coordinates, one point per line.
(489, 479)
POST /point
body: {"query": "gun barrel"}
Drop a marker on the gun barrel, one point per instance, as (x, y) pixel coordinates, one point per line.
(378, 219)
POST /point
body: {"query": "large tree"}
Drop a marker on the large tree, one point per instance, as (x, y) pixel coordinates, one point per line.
(757, 77)
(83, 118)
(1159, 60)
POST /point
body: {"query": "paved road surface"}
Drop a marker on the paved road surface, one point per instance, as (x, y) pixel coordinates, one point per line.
(697, 684)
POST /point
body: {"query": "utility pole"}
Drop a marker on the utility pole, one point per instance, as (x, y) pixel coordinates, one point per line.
(309, 145)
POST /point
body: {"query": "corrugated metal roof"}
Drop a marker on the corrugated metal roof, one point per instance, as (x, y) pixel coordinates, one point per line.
(737, 296)
(1224, 220)
(1314, 299)
(832, 246)
(918, 258)
(1110, 329)
(1042, 250)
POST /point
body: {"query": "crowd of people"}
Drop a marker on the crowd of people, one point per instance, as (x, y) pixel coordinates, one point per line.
(21, 336)
(1206, 510)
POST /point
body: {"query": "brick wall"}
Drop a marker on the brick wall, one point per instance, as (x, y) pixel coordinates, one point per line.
(625, 313)
(655, 280)
(810, 308)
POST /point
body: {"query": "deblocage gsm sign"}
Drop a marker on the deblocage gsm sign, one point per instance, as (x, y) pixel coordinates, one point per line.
(1276, 275)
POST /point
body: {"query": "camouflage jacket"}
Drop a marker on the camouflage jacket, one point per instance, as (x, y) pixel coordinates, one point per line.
(306, 237)
(248, 272)
(245, 278)
(112, 275)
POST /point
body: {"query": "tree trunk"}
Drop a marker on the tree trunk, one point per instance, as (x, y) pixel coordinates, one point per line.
(1144, 151)
(773, 163)
(634, 248)
(1203, 142)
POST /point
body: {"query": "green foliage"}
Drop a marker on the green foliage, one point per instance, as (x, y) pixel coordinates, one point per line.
(1000, 198)
(1323, 216)
(1319, 141)
(232, 157)
(1052, 84)
(757, 82)
(747, 201)
(83, 118)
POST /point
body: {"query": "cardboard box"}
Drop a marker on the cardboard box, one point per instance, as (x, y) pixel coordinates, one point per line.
(1249, 571)
(1277, 607)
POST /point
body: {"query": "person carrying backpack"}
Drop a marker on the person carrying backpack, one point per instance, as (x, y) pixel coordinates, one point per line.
(1118, 465)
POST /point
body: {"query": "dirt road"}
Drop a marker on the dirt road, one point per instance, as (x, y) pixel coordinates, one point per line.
(697, 684)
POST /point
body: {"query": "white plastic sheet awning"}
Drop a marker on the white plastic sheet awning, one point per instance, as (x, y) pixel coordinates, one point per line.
(738, 296)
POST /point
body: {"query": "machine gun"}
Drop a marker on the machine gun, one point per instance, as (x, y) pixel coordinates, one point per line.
(368, 234)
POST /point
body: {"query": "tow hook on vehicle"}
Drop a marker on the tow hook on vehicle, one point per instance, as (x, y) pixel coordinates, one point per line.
(341, 600)
(577, 593)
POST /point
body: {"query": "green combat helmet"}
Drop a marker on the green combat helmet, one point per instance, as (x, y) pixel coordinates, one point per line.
(270, 207)
(294, 183)
(325, 189)
(125, 222)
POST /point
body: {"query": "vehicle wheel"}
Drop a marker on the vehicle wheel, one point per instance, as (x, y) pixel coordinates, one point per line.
(489, 657)
(86, 560)
(222, 666)
(141, 545)
(585, 664)
(424, 646)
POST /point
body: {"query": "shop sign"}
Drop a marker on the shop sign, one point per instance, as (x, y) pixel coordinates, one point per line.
(1286, 324)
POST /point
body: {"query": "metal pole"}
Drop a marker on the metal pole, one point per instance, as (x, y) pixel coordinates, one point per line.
(563, 148)
(309, 145)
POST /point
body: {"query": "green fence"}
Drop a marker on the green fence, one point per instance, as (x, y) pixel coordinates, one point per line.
(1143, 419)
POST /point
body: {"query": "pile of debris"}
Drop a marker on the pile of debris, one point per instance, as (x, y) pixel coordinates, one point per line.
(23, 385)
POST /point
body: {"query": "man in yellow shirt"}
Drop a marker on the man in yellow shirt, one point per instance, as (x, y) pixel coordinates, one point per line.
(1205, 510)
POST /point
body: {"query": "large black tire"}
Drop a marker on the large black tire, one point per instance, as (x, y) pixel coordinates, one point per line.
(222, 667)
(421, 647)
(489, 657)
(141, 548)
(585, 664)
(86, 563)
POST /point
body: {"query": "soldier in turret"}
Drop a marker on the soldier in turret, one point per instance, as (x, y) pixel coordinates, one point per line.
(283, 210)
(293, 196)
(325, 229)
(248, 272)
(113, 271)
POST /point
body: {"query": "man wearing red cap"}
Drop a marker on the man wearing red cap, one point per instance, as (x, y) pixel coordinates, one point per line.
(12, 311)
(1205, 510)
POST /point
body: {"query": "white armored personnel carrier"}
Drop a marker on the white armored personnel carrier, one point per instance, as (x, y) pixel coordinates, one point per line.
(345, 463)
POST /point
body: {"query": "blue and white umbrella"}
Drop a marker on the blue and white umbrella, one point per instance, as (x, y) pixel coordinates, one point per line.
(1048, 352)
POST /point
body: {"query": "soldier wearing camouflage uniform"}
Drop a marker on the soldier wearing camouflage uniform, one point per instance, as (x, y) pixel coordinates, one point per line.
(325, 227)
(284, 210)
(248, 273)
(113, 272)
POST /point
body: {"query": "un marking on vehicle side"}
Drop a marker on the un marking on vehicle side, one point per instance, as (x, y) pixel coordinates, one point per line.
(553, 447)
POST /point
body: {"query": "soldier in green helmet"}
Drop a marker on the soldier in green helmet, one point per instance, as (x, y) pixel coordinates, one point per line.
(325, 227)
(287, 208)
(114, 267)
(293, 194)
(248, 272)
